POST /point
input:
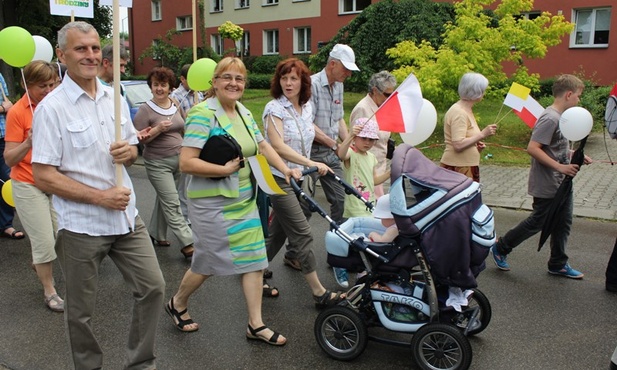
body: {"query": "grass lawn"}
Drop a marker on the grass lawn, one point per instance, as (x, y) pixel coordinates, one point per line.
(506, 147)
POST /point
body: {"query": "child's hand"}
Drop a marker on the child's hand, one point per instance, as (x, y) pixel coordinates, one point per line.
(355, 131)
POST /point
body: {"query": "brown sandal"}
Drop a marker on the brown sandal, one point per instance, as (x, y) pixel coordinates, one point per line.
(187, 251)
(160, 243)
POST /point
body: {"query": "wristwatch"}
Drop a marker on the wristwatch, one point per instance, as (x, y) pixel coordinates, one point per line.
(335, 147)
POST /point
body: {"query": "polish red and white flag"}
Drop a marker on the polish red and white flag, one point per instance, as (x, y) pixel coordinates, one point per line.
(399, 113)
(523, 105)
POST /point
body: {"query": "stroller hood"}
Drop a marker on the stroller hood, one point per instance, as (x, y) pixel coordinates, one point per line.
(439, 207)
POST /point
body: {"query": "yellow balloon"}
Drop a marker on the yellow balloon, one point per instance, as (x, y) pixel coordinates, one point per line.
(7, 193)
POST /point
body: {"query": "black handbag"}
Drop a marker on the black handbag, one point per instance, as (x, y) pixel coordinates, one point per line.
(220, 149)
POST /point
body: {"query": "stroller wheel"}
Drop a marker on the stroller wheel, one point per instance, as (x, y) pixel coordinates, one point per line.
(438, 346)
(479, 300)
(341, 333)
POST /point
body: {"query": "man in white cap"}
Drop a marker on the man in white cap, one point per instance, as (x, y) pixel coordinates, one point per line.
(327, 100)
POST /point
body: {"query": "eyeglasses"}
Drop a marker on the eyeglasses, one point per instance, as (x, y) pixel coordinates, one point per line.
(228, 78)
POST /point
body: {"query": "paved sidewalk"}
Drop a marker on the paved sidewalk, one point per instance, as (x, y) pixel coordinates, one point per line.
(595, 186)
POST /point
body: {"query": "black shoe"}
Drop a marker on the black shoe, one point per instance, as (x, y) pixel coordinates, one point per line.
(611, 287)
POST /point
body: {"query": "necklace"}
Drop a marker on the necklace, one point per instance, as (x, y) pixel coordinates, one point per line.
(168, 105)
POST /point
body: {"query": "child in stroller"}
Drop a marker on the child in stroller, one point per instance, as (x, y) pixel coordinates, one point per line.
(445, 233)
(379, 228)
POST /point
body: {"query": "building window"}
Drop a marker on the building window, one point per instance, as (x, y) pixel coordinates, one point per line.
(270, 2)
(299, 1)
(353, 6)
(184, 23)
(243, 45)
(302, 40)
(216, 41)
(271, 42)
(242, 4)
(156, 10)
(216, 6)
(592, 27)
(531, 15)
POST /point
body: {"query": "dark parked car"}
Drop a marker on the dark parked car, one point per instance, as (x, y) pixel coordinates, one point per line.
(136, 92)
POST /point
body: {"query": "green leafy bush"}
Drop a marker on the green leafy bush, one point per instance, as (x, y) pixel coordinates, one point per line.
(259, 80)
(265, 64)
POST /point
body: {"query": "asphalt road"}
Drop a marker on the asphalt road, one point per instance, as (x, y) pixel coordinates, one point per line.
(539, 321)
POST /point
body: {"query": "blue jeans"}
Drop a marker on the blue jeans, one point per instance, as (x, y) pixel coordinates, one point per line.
(6, 212)
(533, 224)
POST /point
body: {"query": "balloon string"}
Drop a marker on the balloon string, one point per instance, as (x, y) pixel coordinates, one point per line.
(23, 79)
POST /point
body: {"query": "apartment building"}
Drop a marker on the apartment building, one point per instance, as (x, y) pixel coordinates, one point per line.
(298, 27)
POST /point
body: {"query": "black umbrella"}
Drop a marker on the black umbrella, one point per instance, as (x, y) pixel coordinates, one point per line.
(578, 157)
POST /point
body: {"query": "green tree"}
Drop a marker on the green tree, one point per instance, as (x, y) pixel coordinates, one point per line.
(380, 27)
(480, 41)
(231, 31)
(171, 56)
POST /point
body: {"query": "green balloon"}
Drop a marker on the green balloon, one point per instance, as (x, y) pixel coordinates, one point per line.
(200, 74)
(16, 46)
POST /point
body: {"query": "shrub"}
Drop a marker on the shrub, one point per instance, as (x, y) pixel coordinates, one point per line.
(594, 100)
(265, 64)
(259, 81)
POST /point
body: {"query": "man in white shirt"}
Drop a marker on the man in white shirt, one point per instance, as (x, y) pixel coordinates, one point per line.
(74, 157)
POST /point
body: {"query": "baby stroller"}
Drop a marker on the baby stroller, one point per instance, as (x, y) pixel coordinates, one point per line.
(445, 233)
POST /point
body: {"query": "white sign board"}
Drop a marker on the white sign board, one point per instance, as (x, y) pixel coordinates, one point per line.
(77, 8)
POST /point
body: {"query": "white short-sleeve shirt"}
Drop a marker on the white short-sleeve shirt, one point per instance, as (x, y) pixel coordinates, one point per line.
(73, 132)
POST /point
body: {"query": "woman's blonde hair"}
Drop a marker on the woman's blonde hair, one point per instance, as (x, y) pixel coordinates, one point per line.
(223, 66)
(39, 71)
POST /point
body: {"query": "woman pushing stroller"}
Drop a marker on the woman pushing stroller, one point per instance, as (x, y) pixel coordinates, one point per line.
(288, 125)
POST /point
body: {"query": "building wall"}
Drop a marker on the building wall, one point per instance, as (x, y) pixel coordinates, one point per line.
(324, 19)
(597, 63)
(143, 30)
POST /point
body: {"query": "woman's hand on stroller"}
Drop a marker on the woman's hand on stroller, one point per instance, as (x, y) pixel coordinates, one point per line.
(296, 173)
(322, 168)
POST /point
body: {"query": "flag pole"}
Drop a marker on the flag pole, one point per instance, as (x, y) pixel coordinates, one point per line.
(116, 85)
(194, 21)
(504, 116)
(498, 113)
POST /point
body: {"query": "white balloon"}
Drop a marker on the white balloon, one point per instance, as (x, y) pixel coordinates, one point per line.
(425, 125)
(575, 123)
(42, 49)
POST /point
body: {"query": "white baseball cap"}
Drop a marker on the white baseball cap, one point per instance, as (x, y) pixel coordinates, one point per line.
(382, 208)
(346, 55)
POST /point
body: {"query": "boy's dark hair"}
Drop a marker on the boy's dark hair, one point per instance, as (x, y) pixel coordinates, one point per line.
(565, 83)
(184, 71)
(108, 53)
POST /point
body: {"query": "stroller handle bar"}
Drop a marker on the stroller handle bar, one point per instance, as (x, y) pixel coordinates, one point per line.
(358, 244)
(349, 189)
